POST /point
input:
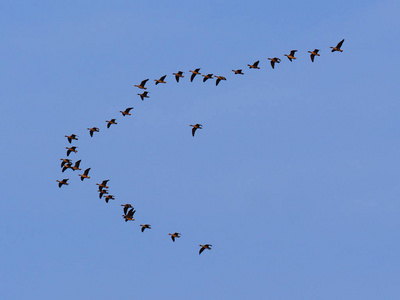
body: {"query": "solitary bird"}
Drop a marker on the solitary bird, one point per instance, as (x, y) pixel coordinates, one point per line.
(71, 137)
(71, 149)
(142, 84)
(93, 129)
(109, 197)
(145, 226)
(239, 71)
(273, 61)
(126, 111)
(126, 206)
(195, 72)
(174, 235)
(102, 192)
(144, 95)
(208, 76)
(129, 215)
(206, 246)
(103, 185)
(61, 182)
(112, 121)
(255, 65)
(219, 78)
(313, 54)
(338, 46)
(76, 165)
(65, 161)
(291, 55)
(178, 75)
(85, 174)
(195, 127)
(161, 80)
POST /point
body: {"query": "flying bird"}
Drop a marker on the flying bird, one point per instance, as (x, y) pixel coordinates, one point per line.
(71, 137)
(65, 161)
(219, 78)
(177, 75)
(85, 174)
(93, 129)
(208, 76)
(239, 71)
(195, 127)
(174, 235)
(144, 95)
(67, 166)
(313, 54)
(126, 206)
(109, 197)
(126, 111)
(273, 61)
(142, 84)
(338, 46)
(129, 215)
(145, 226)
(76, 165)
(103, 185)
(112, 121)
(255, 65)
(102, 192)
(291, 55)
(195, 72)
(161, 80)
(62, 182)
(206, 246)
(71, 149)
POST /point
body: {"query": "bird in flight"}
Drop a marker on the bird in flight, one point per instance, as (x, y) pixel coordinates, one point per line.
(85, 174)
(126, 112)
(219, 78)
(129, 215)
(112, 121)
(145, 226)
(71, 149)
(178, 75)
(71, 137)
(255, 65)
(239, 71)
(102, 192)
(62, 182)
(273, 61)
(208, 76)
(65, 161)
(76, 165)
(109, 197)
(195, 127)
(174, 235)
(291, 55)
(142, 84)
(103, 185)
(338, 46)
(195, 72)
(126, 206)
(93, 129)
(206, 246)
(161, 80)
(313, 54)
(144, 95)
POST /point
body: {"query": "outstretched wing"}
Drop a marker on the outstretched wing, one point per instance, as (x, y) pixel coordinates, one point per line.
(193, 130)
(340, 44)
(87, 171)
(256, 63)
(201, 250)
(218, 80)
(144, 82)
(192, 77)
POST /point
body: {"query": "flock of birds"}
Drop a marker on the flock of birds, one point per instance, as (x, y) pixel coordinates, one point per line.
(128, 209)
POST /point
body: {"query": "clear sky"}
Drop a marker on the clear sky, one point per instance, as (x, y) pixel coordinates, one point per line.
(294, 178)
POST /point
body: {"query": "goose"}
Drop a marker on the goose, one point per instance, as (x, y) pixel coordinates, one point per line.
(93, 129)
(85, 174)
(129, 215)
(206, 246)
(71, 149)
(126, 111)
(112, 121)
(195, 72)
(255, 65)
(338, 46)
(195, 127)
(291, 55)
(142, 84)
(103, 184)
(76, 165)
(208, 76)
(145, 226)
(161, 80)
(71, 137)
(274, 60)
(313, 54)
(219, 78)
(109, 197)
(239, 71)
(174, 235)
(177, 75)
(65, 161)
(102, 192)
(144, 95)
(62, 182)
(67, 166)
(126, 206)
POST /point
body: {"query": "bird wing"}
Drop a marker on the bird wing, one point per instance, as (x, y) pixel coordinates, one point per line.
(293, 52)
(273, 64)
(218, 80)
(69, 152)
(60, 183)
(109, 124)
(177, 77)
(143, 228)
(173, 238)
(77, 163)
(87, 171)
(144, 82)
(197, 70)
(125, 210)
(256, 63)
(128, 109)
(312, 57)
(105, 182)
(192, 77)
(340, 44)
(193, 130)
(69, 140)
(201, 250)
(162, 78)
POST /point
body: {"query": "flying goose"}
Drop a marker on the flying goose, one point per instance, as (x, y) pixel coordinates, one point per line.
(145, 226)
(71, 137)
(195, 127)
(255, 65)
(174, 235)
(291, 55)
(61, 182)
(208, 76)
(195, 72)
(239, 71)
(71, 149)
(112, 121)
(85, 174)
(313, 54)
(144, 95)
(219, 78)
(161, 80)
(274, 60)
(126, 111)
(93, 129)
(206, 246)
(177, 75)
(142, 84)
(103, 184)
(338, 46)
(126, 206)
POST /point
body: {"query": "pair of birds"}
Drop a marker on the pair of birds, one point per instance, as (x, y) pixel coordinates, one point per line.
(103, 191)
(178, 235)
(128, 215)
(65, 180)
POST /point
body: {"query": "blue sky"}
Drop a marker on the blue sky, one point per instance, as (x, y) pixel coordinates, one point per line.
(293, 178)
